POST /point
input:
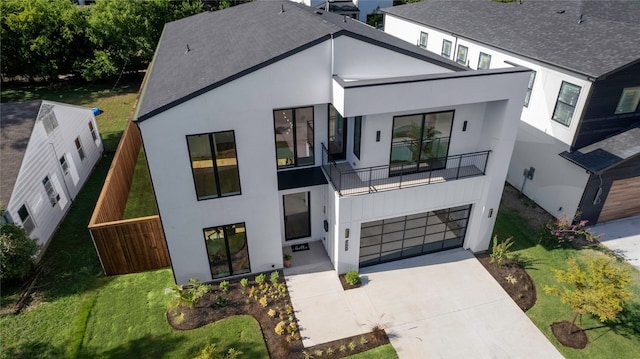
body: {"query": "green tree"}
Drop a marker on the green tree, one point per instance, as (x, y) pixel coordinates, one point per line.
(41, 38)
(599, 289)
(17, 252)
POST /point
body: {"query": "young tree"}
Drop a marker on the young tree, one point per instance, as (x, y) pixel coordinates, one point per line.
(600, 288)
(17, 252)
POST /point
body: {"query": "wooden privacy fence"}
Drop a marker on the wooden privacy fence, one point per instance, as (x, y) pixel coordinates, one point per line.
(131, 245)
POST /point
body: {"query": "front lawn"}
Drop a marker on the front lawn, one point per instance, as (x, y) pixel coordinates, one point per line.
(607, 340)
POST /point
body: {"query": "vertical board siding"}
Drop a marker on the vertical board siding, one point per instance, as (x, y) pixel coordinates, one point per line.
(132, 245)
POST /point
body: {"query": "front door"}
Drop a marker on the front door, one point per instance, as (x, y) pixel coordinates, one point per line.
(337, 135)
(297, 221)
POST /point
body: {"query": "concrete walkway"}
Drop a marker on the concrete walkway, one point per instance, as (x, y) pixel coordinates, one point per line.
(623, 237)
(442, 305)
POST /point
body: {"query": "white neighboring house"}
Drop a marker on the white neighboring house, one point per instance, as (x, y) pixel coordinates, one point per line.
(291, 127)
(48, 151)
(578, 145)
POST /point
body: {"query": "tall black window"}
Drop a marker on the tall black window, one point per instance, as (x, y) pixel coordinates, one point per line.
(25, 218)
(566, 104)
(357, 135)
(421, 142)
(214, 164)
(227, 250)
(294, 136)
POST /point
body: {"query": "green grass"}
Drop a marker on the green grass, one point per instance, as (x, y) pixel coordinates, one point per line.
(141, 201)
(608, 340)
(384, 351)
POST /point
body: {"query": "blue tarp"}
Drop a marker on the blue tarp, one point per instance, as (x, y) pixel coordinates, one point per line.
(96, 111)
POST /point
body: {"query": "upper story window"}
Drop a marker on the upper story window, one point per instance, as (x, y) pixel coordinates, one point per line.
(423, 39)
(628, 100)
(54, 197)
(461, 57)
(48, 118)
(25, 218)
(64, 165)
(79, 148)
(484, 61)
(293, 130)
(566, 104)
(357, 135)
(93, 131)
(214, 164)
(527, 97)
(446, 48)
(422, 140)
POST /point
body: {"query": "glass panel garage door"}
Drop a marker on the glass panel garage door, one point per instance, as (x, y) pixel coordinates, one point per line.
(408, 236)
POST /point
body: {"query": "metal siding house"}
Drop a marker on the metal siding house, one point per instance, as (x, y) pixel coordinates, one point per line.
(271, 124)
(48, 151)
(582, 97)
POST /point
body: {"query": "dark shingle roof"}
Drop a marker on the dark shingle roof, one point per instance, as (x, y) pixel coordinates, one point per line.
(204, 51)
(548, 31)
(600, 156)
(16, 124)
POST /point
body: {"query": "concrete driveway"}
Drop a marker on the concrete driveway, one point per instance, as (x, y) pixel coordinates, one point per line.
(442, 305)
(623, 237)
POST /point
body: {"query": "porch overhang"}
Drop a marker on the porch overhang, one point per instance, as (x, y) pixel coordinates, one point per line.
(357, 97)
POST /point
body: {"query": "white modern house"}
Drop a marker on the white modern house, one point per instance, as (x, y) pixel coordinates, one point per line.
(48, 151)
(578, 145)
(272, 124)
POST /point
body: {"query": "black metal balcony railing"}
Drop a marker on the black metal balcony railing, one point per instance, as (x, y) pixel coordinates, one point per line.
(348, 181)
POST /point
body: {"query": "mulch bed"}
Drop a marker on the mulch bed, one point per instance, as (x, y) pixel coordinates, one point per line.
(217, 305)
(347, 286)
(573, 337)
(513, 279)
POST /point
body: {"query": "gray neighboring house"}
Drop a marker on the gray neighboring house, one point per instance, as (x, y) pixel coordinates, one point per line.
(47, 152)
(577, 149)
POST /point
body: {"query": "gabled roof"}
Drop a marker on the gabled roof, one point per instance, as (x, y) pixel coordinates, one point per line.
(207, 50)
(548, 31)
(601, 156)
(16, 124)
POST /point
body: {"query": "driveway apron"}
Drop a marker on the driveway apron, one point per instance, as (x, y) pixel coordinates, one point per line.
(442, 305)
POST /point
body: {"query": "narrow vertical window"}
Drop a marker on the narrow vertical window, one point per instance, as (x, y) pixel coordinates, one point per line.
(64, 165)
(357, 135)
(446, 48)
(484, 61)
(566, 104)
(54, 197)
(294, 136)
(93, 131)
(214, 164)
(532, 79)
(227, 250)
(25, 218)
(461, 58)
(423, 39)
(79, 148)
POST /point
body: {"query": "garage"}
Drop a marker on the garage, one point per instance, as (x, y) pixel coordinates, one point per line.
(409, 236)
(622, 200)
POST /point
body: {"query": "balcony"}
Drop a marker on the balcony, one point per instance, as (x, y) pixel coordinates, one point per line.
(348, 181)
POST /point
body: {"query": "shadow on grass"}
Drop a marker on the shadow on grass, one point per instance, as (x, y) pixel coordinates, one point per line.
(525, 262)
(510, 223)
(629, 321)
(158, 346)
(32, 349)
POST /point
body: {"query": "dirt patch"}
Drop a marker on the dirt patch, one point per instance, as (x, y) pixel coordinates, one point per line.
(569, 335)
(513, 279)
(236, 300)
(346, 285)
(528, 209)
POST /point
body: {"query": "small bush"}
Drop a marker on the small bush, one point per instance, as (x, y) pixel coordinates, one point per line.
(244, 282)
(17, 252)
(511, 279)
(222, 301)
(562, 231)
(274, 277)
(189, 295)
(260, 279)
(363, 340)
(272, 313)
(224, 285)
(499, 250)
(280, 327)
(352, 277)
(263, 302)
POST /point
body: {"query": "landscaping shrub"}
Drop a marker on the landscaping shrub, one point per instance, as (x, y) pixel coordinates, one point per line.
(499, 251)
(562, 231)
(188, 295)
(352, 277)
(17, 252)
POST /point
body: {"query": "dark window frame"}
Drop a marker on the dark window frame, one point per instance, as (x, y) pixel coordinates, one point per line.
(558, 102)
(81, 153)
(295, 137)
(620, 110)
(28, 218)
(446, 53)
(480, 62)
(212, 145)
(52, 194)
(64, 165)
(423, 36)
(226, 228)
(284, 210)
(93, 131)
(466, 55)
(357, 136)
